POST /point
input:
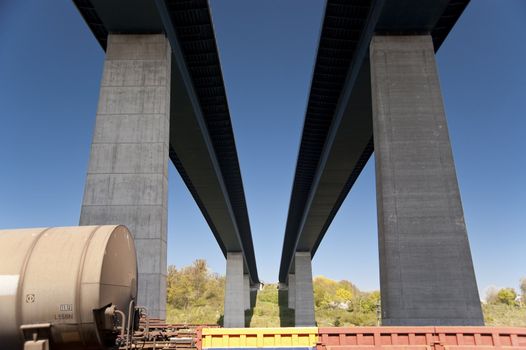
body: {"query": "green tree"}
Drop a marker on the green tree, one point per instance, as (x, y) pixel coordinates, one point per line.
(507, 296)
(371, 301)
(194, 294)
(324, 291)
(344, 295)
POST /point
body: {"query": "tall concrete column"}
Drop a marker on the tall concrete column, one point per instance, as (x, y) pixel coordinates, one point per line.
(234, 313)
(304, 292)
(246, 291)
(127, 176)
(426, 271)
(292, 291)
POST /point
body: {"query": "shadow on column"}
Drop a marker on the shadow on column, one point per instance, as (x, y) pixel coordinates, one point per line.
(286, 315)
(221, 320)
(250, 312)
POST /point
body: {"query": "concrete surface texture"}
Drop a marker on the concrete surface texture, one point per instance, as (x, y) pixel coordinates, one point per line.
(127, 176)
(246, 291)
(234, 313)
(303, 289)
(426, 270)
(291, 293)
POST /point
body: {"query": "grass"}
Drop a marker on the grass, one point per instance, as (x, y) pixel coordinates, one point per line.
(504, 315)
(194, 315)
(270, 309)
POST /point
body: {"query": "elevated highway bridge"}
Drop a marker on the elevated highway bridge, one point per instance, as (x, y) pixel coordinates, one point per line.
(375, 88)
(163, 97)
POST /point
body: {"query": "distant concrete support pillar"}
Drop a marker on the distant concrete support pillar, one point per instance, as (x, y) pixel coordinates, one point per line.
(292, 291)
(254, 294)
(246, 291)
(426, 270)
(304, 293)
(235, 300)
(127, 176)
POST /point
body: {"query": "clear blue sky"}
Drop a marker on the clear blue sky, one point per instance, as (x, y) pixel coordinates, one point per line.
(50, 69)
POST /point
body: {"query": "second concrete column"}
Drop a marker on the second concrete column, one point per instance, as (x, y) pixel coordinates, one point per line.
(426, 271)
(304, 292)
(235, 299)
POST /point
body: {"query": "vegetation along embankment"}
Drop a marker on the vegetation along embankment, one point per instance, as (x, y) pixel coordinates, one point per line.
(195, 295)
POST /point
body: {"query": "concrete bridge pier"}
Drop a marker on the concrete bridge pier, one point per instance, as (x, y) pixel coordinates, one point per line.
(127, 177)
(246, 291)
(291, 291)
(237, 291)
(303, 290)
(426, 270)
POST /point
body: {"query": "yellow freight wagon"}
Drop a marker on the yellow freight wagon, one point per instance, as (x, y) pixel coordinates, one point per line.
(296, 337)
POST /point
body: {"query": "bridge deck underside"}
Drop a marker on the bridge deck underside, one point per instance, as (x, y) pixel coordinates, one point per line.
(337, 134)
(202, 145)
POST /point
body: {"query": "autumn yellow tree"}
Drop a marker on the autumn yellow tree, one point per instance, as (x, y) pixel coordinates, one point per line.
(194, 294)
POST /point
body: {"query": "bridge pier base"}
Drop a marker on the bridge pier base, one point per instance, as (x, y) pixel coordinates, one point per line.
(127, 178)
(235, 294)
(303, 291)
(426, 270)
(291, 294)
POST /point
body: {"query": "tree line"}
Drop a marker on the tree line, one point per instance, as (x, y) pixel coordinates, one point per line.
(195, 295)
(507, 296)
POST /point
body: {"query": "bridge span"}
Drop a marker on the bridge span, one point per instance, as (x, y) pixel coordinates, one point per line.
(375, 87)
(162, 97)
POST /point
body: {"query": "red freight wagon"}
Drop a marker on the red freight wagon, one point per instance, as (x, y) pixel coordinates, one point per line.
(421, 338)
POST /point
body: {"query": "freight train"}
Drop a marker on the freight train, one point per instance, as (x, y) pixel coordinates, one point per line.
(67, 288)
